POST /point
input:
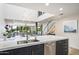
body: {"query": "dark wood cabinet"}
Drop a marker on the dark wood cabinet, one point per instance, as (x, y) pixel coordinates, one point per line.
(38, 49)
(62, 47)
(8, 52)
(23, 51)
(30, 50)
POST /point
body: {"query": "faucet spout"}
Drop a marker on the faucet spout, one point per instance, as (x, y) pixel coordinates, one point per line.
(27, 37)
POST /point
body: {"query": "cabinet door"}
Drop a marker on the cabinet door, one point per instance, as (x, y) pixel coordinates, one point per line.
(38, 49)
(8, 52)
(31, 50)
(18, 51)
(62, 47)
(24, 51)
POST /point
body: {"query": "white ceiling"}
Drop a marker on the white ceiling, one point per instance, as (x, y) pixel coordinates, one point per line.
(69, 9)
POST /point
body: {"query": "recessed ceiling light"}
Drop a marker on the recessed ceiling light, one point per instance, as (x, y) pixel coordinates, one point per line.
(60, 9)
(47, 4)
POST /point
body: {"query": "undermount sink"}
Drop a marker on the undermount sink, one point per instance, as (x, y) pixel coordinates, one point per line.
(26, 41)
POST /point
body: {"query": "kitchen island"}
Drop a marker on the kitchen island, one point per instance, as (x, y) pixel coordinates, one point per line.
(10, 47)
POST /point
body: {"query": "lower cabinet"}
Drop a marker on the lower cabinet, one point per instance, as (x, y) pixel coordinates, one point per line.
(31, 50)
(23, 51)
(56, 48)
(53, 48)
(62, 47)
(38, 49)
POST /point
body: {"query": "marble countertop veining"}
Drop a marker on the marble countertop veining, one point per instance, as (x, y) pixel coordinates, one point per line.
(12, 44)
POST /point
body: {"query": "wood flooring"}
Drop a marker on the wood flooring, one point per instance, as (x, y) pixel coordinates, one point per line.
(73, 51)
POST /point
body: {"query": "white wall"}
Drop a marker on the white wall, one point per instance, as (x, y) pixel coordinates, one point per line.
(45, 16)
(1, 20)
(73, 37)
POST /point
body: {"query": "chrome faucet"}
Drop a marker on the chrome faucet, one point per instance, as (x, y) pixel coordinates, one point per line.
(27, 37)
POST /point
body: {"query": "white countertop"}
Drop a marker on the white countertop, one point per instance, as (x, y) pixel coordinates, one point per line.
(12, 44)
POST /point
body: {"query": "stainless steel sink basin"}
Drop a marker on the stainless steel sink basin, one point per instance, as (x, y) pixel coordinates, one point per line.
(26, 41)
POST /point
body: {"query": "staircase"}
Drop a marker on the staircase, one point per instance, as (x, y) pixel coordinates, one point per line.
(50, 27)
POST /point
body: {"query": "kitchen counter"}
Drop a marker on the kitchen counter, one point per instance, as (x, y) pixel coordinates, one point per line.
(12, 44)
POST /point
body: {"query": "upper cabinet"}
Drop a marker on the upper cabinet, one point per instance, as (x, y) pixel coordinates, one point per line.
(19, 13)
